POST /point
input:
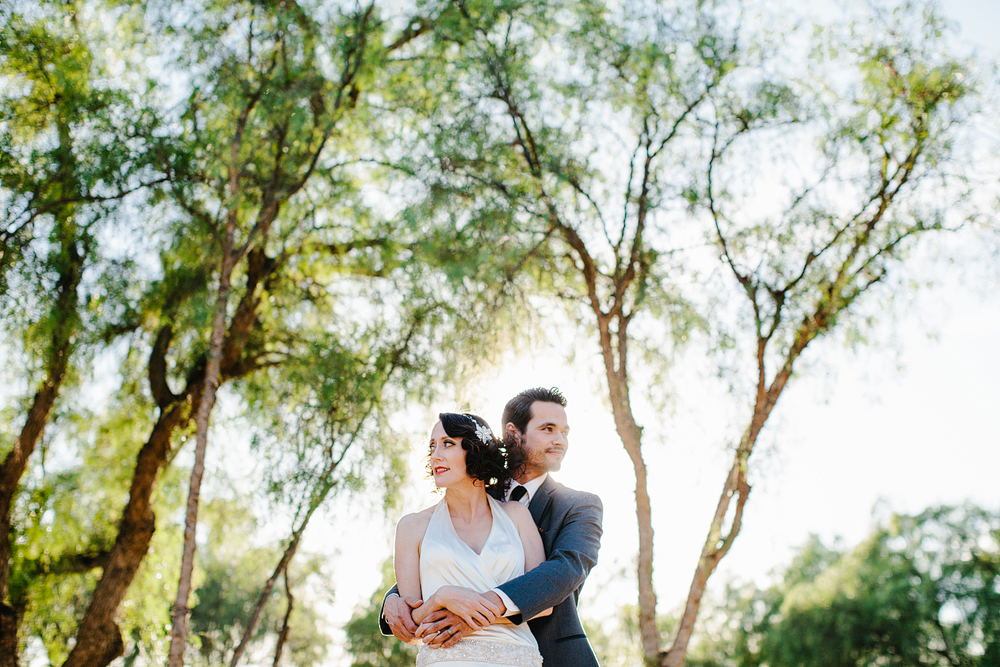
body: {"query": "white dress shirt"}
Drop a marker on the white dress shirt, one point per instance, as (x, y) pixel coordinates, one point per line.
(531, 488)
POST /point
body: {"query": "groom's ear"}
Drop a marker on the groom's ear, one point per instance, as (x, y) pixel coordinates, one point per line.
(512, 432)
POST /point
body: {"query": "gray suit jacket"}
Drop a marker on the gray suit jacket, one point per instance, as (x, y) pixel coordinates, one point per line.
(570, 525)
(569, 522)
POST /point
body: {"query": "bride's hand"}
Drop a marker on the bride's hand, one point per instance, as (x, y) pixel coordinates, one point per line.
(467, 604)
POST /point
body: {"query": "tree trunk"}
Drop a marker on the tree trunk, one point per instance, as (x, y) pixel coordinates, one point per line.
(64, 311)
(179, 613)
(631, 435)
(717, 544)
(16, 462)
(286, 624)
(10, 620)
(715, 548)
(98, 638)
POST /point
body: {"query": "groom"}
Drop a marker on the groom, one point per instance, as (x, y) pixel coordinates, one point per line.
(570, 525)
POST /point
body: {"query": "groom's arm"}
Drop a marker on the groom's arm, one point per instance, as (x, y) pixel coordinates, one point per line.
(396, 616)
(573, 554)
(383, 625)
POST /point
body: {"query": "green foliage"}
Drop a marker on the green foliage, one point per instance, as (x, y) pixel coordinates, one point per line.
(66, 139)
(65, 167)
(367, 646)
(230, 584)
(66, 520)
(869, 142)
(63, 151)
(921, 589)
(541, 121)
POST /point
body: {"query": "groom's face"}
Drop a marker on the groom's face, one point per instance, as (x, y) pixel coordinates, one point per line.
(545, 439)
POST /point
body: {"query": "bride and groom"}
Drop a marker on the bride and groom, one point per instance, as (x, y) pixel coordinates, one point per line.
(472, 569)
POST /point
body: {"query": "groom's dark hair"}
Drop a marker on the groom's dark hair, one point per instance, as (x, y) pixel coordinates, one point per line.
(518, 409)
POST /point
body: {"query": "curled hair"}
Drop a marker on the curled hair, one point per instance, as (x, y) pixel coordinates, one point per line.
(490, 462)
(518, 409)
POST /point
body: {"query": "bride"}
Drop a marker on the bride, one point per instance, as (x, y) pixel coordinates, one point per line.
(450, 554)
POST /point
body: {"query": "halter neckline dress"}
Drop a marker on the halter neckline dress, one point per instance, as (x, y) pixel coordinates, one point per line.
(446, 560)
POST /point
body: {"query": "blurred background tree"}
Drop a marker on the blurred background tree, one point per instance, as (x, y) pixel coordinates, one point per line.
(922, 589)
(412, 191)
(367, 646)
(70, 152)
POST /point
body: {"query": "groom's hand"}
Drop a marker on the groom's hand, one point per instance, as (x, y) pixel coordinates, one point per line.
(398, 613)
(442, 629)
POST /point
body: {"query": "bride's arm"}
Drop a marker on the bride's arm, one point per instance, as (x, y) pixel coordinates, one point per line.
(452, 596)
(406, 559)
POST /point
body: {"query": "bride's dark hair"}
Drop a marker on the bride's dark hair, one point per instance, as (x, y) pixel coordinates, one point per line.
(489, 461)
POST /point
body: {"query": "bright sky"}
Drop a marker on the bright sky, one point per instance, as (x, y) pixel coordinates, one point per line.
(909, 422)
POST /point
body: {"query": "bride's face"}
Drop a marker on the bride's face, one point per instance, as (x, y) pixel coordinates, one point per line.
(447, 458)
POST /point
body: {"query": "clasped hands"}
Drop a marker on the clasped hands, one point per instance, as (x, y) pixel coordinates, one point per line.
(447, 616)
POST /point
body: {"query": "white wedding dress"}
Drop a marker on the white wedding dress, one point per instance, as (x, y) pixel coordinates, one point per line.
(445, 560)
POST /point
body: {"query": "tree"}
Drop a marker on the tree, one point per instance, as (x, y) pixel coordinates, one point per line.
(921, 589)
(652, 128)
(367, 646)
(258, 195)
(293, 237)
(61, 176)
(584, 193)
(888, 173)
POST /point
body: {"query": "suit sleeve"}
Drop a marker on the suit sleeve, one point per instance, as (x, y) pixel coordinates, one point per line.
(573, 554)
(382, 625)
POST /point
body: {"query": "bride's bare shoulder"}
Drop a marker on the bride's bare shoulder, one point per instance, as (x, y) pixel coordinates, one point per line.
(517, 511)
(415, 521)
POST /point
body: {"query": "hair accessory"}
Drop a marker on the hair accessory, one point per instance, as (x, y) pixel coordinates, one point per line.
(484, 433)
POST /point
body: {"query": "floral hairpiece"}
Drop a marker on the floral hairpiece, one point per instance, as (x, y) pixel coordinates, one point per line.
(484, 433)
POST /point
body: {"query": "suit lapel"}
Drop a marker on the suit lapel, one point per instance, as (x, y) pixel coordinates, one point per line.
(540, 502)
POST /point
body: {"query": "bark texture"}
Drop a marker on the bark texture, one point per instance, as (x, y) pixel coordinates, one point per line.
(99, 639)
(10, 620)
(179, 613)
